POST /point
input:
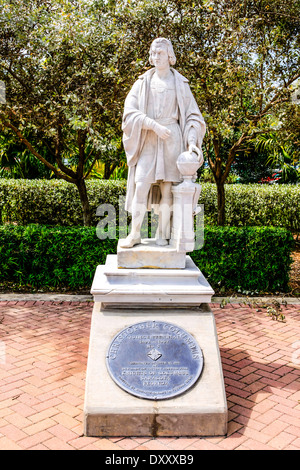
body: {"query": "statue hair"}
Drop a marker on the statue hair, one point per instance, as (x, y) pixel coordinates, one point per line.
(165, 42)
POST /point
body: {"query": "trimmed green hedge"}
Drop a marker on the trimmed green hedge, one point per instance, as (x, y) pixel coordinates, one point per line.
(43, 256)
(53, 202)
(255, 205)
(56, 202)
(246, 259)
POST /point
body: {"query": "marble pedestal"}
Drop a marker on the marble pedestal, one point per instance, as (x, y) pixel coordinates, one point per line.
(149, 255)
(111, 411)
(124, 297)
(139, 288)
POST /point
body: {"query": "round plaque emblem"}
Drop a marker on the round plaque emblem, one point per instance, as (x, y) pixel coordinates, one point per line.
(154, 360)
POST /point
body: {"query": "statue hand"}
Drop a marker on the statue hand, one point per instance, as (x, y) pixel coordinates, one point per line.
(162, 131)
(194, 148)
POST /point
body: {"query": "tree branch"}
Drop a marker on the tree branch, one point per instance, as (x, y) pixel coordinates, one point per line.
(90, 169)
(58, 158)
(89, 154)
(24, 84)
(275, 100)
(9, 125)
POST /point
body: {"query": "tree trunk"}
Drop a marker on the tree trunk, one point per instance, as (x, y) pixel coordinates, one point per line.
(109, 169)
(221, 202)
(86, 210)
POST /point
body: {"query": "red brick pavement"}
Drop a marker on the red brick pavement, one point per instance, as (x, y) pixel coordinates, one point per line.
(43, 356)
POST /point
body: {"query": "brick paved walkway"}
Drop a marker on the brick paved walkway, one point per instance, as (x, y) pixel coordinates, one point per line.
(43, 356)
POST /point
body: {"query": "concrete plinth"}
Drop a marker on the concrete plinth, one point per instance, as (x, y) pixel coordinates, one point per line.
(111, 411)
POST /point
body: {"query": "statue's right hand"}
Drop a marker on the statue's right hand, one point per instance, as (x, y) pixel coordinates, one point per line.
(162, 131)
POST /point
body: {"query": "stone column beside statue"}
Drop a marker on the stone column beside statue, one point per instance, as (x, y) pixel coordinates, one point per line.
(154, 365)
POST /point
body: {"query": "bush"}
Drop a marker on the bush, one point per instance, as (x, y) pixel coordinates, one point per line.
(53, 202)
(48, 257)
(246, 259)
(255, 205)
(56, 202)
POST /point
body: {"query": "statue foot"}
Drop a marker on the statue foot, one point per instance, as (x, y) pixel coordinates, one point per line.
(130, 241)
(161, 242)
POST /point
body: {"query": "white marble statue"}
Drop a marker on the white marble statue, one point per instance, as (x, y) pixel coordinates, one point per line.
(161, 120)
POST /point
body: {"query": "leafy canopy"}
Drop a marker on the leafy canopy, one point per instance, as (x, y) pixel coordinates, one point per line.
(69, 64)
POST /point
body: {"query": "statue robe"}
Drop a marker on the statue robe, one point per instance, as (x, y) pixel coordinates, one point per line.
(136, 136)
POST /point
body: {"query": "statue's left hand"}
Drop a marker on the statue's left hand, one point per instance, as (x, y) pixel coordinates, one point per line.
(194, 148)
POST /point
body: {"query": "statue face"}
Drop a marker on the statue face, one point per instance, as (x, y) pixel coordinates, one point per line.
(160, 56)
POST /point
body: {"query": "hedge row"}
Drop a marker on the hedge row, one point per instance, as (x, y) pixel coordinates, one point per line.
(53, 202)
(247, 259)
(255, 205)
(56, 202)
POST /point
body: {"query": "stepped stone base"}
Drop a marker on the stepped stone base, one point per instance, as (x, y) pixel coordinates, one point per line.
(141, 287)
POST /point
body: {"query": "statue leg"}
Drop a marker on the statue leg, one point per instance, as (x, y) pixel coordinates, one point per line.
(165, 205)
(139, 208)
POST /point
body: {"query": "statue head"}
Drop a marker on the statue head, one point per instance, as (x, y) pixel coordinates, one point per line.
(163, 42)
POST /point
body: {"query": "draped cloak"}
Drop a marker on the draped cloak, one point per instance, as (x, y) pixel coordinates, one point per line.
(135, 112)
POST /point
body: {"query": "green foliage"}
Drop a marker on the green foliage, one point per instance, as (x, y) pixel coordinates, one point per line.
(46, 257)
(53, 202)
(59, 62)
(283, 154)
(206, 176)
(68, 81)
(246, 259)
(250, 165)
(68, 66)
(66, 257)
(16, 161)
(56, 202)
(255, 205)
